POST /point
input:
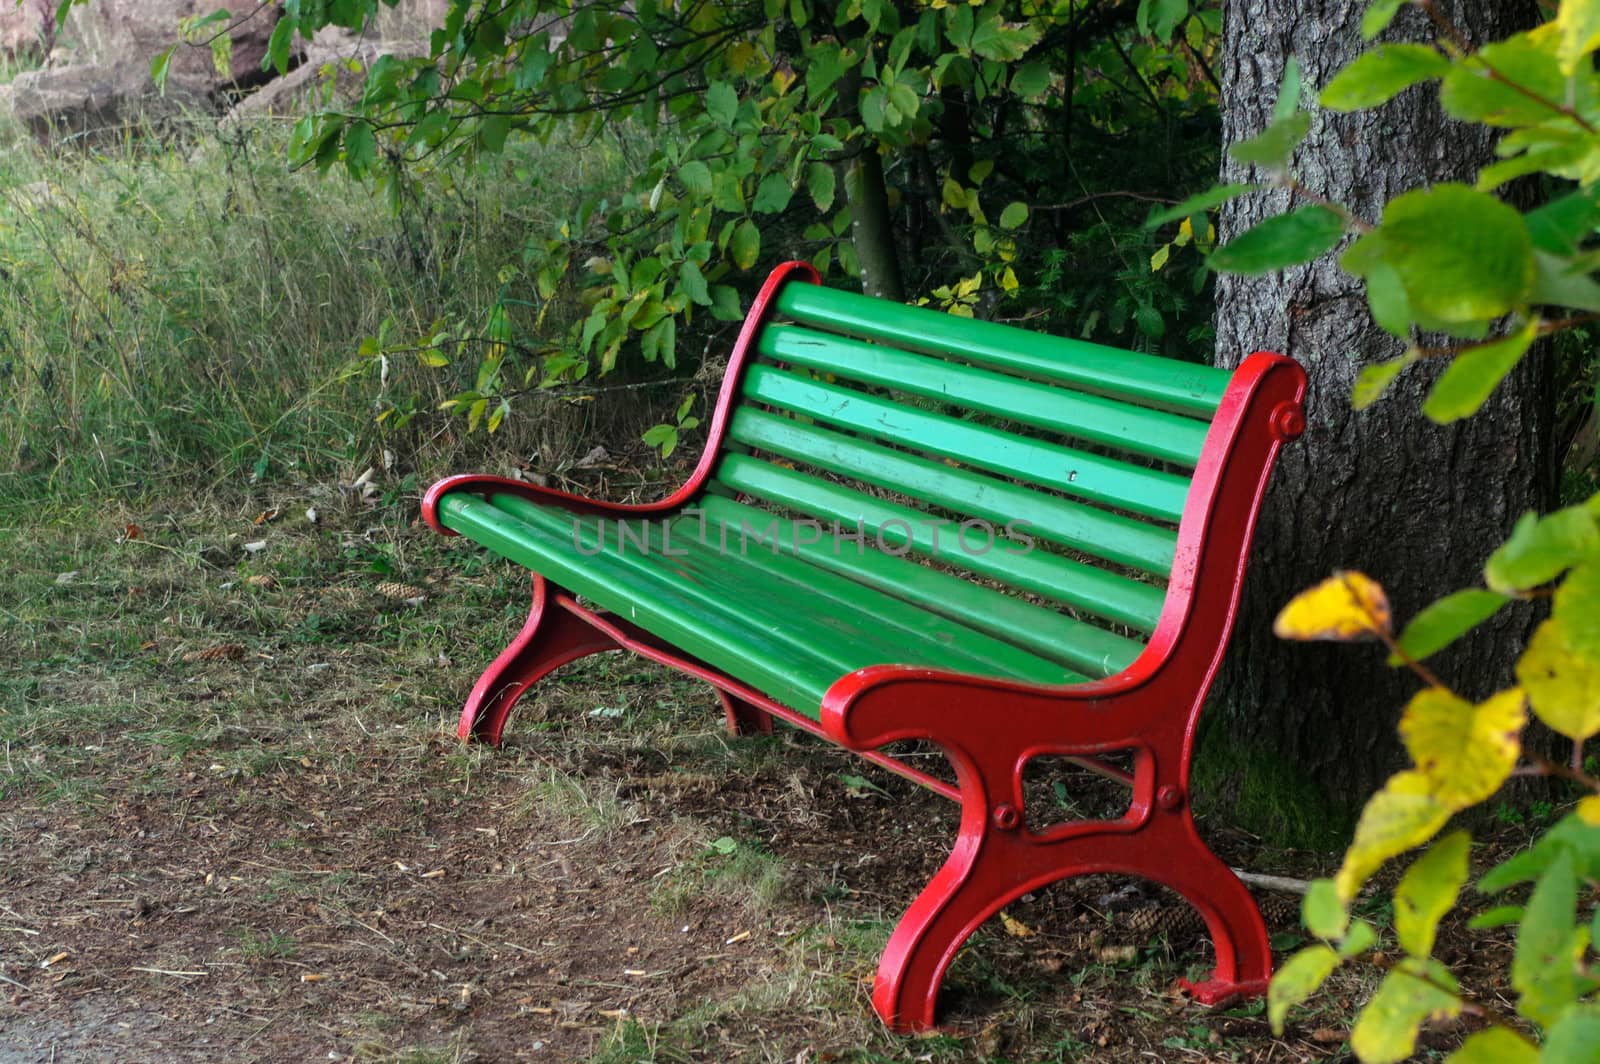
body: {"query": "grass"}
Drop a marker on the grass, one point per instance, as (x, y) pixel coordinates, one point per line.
(217, 300)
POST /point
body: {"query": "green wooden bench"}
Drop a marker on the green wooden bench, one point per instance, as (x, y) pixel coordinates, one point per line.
(913, 526)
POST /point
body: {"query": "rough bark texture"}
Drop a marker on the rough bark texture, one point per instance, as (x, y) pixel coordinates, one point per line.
(871, 230)
(1414, 505)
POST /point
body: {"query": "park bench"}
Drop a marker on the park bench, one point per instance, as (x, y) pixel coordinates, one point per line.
(825, 565)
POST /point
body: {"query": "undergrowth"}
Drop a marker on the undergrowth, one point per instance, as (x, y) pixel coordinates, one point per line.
(191, 312)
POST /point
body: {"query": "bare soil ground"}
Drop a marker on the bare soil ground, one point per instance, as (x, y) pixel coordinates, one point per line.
(235, 824)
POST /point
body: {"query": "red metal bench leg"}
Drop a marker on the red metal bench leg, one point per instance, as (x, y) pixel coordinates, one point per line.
(993, 865)
(550, 638)
(743, 718)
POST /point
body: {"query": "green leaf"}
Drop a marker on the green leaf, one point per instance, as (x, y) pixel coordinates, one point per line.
(1428, 891)
(1160, 17)
(1571, 836)
(1378, 75)
(1014, 215)
(1280, 241)
(821, 182)
(1542, 548)
(662, 437)
(360, 148)
(1530, 78)
(1386, 1031)
(1296, 980)
(1374, 380)
(1562, 224)
(1560, 283)
(1447, 620)
(1378, 16)
(1544, 968)
(1202, 201)
(1032, 80)
(1462, 255)
(994, 38)
(1497, 1045)
(1575, 1036)
(1321, 911)
(159, 67)
(874, 103)
(725, 303)
(772, 195)
(694, 284)
(1275, 144)
(1499, 916)
(722, 104)
(1474, 374)
(278, 45)
(1361, 938)
(1288, 101)
(696, 178)
(1578, 606)
(745, 245)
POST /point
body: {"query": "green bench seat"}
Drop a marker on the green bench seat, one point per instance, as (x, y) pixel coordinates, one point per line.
(909, 525)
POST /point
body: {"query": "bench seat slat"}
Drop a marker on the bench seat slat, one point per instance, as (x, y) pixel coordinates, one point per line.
(1104, 594)
(1186, 387)
(1144, 491)
(1112, 537)
(776, 622)
(727, 580)
(1139, 430)
(1094, 651)
(674, 616)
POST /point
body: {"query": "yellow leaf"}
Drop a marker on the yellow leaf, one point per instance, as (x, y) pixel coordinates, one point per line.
(1465, 751)
(1403, 815)
(1589, 810)
(1159, 259)
(1014, 927)
(1579, 21)
(1345, 607)
(1562, 684)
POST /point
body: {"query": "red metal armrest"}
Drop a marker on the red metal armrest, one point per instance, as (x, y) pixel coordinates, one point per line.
(760, 310)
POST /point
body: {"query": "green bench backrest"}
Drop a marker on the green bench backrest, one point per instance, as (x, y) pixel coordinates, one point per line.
(888, 417)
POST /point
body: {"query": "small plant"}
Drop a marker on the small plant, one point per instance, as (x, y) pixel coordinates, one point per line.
(665, 437)
(268, 947)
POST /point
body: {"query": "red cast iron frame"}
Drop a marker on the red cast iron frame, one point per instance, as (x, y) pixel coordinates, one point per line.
(1151, 708)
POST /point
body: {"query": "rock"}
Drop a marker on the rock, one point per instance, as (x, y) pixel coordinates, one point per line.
(111, 32)
(27, 30)
(88, 102)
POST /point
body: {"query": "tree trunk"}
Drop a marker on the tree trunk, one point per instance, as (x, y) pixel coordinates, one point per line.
(871, 227)
(1415, 505)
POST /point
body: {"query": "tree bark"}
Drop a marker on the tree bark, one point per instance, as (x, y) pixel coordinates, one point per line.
(1415, 505)
(871, 227)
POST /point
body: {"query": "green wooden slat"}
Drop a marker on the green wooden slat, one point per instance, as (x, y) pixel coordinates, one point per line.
(1140, 430)
(1104, 594)
(1095, 651)
(898, 631)
(795, 677)
(787, 627)
(751, 582)
(1190, 388)
(1144, 491)
(1113, 537)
